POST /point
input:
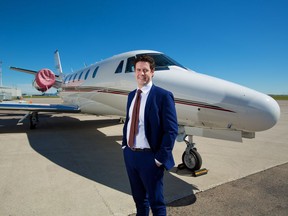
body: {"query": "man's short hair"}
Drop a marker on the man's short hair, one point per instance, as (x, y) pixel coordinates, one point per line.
(145, 58)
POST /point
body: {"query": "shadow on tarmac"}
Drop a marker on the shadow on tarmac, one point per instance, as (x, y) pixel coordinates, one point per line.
(80, 147)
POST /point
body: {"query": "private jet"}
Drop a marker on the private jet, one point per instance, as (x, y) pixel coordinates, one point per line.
(206, 106)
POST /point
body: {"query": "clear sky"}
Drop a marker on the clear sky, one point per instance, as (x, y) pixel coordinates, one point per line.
(243, 41)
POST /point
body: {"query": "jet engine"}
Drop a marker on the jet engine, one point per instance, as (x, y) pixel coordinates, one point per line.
(44, 80)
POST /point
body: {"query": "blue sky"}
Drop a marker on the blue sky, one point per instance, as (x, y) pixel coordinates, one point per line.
(243, 41)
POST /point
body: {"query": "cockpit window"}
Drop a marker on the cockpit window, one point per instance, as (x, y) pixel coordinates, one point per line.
(130, 65)
(162, 62)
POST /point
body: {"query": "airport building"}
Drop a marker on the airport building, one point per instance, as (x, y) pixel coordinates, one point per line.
(7, 93)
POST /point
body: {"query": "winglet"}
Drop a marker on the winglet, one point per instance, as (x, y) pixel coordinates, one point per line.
(58, 63)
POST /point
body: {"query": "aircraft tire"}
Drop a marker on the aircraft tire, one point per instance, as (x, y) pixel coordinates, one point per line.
(32, 125)
(193, 160)
(33, 120)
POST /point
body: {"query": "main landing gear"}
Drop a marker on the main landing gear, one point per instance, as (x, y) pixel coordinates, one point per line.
(191, 158)
(34, 120)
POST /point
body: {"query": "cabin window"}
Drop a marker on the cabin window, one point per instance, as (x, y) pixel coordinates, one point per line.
(66, 79)
(70, 78)
(87, 73)
(95, 72)
(120, 67)
(80, 75)
(74, 77)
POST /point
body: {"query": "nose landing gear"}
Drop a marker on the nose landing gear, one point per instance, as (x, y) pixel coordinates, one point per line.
(191, 158)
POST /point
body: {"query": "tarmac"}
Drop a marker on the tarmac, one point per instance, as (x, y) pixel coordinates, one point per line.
(72, 164)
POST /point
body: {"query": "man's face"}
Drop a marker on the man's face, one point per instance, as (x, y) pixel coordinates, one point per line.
(143, 73)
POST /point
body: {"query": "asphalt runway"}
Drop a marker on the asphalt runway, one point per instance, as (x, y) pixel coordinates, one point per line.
(72, 164)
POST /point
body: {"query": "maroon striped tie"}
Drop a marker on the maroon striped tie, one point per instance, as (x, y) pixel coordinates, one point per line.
(135, 119)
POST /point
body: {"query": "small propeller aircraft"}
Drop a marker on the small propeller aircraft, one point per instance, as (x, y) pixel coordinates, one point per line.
(206, 106)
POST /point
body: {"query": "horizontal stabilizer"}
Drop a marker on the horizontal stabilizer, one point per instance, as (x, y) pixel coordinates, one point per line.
(24, 70)
(27, 71)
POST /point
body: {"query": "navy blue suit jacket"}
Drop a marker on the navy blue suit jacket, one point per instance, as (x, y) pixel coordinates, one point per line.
(161, 127)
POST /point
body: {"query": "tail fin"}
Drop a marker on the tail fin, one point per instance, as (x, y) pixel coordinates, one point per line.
(58, 64)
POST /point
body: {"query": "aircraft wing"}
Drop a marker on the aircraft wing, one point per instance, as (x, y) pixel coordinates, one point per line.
(39, 107)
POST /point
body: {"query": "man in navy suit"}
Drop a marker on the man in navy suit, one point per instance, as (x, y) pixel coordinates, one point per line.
(150, 151)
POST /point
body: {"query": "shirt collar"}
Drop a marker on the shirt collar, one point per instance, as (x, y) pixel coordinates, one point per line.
(145, 89)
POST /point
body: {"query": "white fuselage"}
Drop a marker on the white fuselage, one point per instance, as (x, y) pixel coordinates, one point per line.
(201, 101)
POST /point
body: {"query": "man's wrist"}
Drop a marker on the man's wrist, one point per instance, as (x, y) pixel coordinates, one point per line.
(158, 163)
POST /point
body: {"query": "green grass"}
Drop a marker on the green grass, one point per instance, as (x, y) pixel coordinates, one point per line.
(40, 96)
(280, 97)
(276, 97)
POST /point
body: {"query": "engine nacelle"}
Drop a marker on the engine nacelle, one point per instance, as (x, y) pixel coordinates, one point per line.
(44, 80)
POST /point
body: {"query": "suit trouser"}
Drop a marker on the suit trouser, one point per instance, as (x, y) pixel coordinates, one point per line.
(146, 181)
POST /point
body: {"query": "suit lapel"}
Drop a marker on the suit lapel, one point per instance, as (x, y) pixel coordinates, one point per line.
(149, 102)
(130, 98)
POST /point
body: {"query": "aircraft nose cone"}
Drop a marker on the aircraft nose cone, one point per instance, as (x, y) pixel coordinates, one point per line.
(264, 113)
(272, 110)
